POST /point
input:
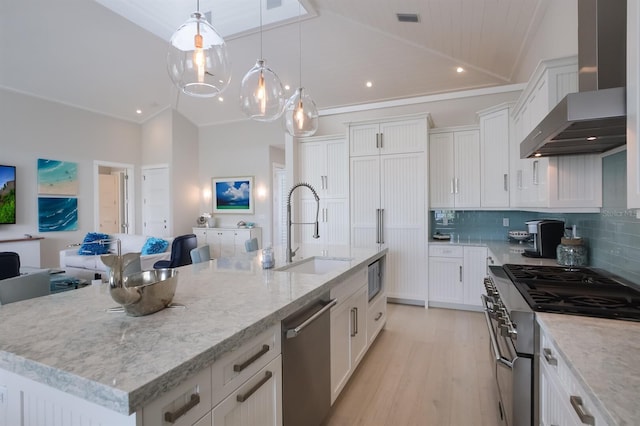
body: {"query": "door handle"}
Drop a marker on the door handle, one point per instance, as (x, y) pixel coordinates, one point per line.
(242, 397)
(354, 322)
(585, 418)
(381, 226)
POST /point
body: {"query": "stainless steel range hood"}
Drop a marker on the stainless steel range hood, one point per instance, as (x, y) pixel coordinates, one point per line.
(592, 120)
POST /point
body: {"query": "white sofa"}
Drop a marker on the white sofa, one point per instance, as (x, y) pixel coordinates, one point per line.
(84, 267)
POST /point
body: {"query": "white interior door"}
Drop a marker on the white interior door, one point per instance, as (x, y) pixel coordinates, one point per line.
(156, 209)
(109, 204)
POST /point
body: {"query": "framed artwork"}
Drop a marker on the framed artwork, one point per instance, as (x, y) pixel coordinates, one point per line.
(57, 177)
(57, 214)
(233, 195)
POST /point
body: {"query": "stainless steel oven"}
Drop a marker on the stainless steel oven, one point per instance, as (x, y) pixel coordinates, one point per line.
(514, 294)
(511, 335)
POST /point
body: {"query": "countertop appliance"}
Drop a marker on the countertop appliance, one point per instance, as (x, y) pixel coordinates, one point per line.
(594, 119)
(515, 293)
(547, 236)
(306, 369)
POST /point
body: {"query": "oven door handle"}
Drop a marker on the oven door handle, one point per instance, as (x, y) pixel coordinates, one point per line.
(492, 336)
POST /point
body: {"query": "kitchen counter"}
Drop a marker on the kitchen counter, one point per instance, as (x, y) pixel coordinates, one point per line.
(70, 341)
(604, 356)
(503, 251)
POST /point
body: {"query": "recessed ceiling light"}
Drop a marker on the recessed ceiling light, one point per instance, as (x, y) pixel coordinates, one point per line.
(369, 84)
(459, 69)
(591, 138)
(287, 87)
(220, 98)
(138, 111)
(537, 154)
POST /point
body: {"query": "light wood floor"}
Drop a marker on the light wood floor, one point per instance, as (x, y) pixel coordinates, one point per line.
(429, 367)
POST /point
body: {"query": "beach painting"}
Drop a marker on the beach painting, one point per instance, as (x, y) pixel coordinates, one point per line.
(233, 195)
(57, 177)
(57, 214)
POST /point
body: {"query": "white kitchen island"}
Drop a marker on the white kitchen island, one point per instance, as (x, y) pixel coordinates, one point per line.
(87, 359)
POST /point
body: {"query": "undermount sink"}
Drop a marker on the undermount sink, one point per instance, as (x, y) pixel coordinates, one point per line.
(316, 265)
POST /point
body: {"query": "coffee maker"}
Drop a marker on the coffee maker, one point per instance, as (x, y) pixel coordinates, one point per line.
(546, 237)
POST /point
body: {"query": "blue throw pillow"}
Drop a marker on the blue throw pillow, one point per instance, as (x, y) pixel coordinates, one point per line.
(89, 248)
(154, 246)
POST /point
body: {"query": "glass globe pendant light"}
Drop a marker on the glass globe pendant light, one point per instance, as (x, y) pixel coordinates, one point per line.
(197, 61)
(300, 112)
(261, 92)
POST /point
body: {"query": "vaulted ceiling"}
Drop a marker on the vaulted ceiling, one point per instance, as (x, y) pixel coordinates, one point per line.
(80, 53)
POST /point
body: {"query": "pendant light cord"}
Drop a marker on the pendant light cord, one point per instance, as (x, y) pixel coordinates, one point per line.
(261, 57)
(300, 41)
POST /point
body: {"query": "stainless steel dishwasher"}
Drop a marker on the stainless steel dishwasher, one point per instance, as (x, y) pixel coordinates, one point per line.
(306, 368)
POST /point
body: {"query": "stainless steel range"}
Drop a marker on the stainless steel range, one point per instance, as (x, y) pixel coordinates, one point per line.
(514, 294)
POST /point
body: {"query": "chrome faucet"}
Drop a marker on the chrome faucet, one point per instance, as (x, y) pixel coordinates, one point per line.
(291, 253)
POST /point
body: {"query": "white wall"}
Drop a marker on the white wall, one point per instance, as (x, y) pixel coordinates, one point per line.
(33, 128)
(185, 189)
(240, 149)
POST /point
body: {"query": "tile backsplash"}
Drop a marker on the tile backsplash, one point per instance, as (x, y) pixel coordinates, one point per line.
(612, 236)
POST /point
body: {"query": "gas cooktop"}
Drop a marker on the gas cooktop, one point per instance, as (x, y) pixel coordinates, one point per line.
(579, 291)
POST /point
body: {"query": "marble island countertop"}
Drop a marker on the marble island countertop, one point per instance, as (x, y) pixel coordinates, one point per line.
(70, 340)
(604, 355)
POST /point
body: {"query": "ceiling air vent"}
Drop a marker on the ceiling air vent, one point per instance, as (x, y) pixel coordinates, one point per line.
(408, 17)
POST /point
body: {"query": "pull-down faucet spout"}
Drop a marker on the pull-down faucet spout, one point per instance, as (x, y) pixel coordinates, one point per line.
(291, 253)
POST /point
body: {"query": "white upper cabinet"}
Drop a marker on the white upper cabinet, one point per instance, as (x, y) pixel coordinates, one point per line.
(388, 137)
(494, 156)
(633, 105)
(454, 168)
(324, 163)
(572, 183)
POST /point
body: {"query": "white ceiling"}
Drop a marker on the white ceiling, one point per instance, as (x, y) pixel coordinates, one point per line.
(80, 53)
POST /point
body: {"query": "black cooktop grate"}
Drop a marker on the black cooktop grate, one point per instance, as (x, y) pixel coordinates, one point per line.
(579, 291)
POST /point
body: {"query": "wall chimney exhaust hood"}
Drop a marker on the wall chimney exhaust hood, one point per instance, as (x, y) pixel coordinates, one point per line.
(593, 120)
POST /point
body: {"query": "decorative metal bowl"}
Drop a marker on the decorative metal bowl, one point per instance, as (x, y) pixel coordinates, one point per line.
(146, 292)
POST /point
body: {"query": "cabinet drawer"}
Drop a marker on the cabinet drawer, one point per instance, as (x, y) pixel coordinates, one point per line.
(186, 403)
(439, 250)
(568, 385)
(350, 285)
(257, 402)
(236, 367)
(376, 317)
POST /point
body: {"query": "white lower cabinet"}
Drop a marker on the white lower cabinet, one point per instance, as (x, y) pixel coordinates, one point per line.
(563, 400)
(226, 242)
(240, 387)
(456, 275)
(348, 329)
(256, 402)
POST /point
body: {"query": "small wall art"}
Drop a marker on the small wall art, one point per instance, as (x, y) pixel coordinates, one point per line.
(57, 214)
(233, 195)
(57, 177)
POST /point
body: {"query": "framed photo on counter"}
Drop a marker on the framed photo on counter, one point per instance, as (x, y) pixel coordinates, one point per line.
(233, 195)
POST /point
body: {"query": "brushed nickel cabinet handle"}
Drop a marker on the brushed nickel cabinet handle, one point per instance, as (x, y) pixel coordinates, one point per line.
(506, 182)
(173, 416)
(381, 226)
(535, 172)
(460, 273)
(377, 318)
(353, 322)
(585, 418)
(242, 397)
(239, 367)
(548, 356)
(452, 184)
